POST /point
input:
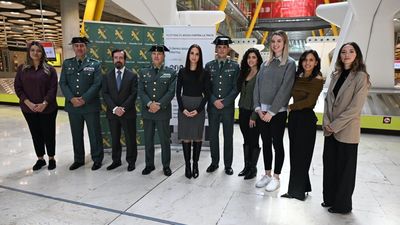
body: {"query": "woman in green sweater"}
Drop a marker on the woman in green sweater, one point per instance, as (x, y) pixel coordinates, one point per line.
(249, 67)
(302, 124)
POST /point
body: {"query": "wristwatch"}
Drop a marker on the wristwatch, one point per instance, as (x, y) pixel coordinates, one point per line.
(44, 102)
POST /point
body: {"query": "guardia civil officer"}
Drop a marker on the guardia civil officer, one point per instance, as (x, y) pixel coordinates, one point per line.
(156, 90)
(223, 75)
(80, 82)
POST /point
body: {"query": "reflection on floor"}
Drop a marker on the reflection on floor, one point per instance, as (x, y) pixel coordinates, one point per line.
(121, 197)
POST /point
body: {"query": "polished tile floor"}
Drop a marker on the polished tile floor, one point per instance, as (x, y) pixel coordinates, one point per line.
(121, 197)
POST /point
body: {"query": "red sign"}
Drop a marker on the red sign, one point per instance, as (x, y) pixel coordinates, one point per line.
(49, 49)
(288, 8)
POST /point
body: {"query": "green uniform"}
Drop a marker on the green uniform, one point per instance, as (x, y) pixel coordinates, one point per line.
(159, 87)
(83, 81)
(223, 86)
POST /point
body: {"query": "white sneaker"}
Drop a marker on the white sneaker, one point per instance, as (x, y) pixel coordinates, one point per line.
(264, 181)
(273, 185)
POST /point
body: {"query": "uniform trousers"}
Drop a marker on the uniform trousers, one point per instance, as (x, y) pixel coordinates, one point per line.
(76, 121)
(215, 117)
(129, 127)
(43, 131)
(339, 176)
(302, 131)
(164, 135)
(272, 134)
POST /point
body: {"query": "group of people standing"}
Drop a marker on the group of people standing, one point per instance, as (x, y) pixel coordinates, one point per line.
(265, 90)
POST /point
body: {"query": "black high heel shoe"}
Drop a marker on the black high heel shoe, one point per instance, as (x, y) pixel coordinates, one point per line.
(286, 195)
(333, 210)
(325, 205)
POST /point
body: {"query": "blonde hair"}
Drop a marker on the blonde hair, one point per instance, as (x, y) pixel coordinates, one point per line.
(285, 52)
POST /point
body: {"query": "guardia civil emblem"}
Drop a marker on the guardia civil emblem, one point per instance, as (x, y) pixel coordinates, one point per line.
(94, 52)
(135, 34)
(101, 31)
(150, 36)
(142, 54)
(119, 34)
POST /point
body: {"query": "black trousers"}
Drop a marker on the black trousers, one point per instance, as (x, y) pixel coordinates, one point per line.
(250, 135)
(302, 131)
(43, 131)
(129, 127)
(272, 134)
(340, 163)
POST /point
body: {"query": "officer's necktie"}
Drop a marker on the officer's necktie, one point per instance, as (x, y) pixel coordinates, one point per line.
(79, 63)
(119, 79)
(156, 69)
(221, 64)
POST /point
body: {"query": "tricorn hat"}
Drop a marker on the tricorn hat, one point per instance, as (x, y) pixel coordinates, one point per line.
(158, 48)
(79, 40)
(222, 40)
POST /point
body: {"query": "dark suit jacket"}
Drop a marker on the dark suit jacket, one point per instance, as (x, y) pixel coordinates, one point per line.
(125, 97)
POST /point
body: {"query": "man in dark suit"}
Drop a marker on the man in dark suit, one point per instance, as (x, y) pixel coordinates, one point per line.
(80, 82)
(156, 90)
(119, 93)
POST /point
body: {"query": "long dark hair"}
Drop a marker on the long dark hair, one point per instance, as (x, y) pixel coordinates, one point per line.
(199, 67)
(43, 61)
(358, 63)
(245, 68)
(317, 69)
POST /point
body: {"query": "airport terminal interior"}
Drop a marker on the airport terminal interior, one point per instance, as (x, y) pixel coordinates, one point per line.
(83, 196)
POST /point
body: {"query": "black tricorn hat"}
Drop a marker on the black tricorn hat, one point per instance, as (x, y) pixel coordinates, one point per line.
(79, 40)
(222, 40)
(158, 48)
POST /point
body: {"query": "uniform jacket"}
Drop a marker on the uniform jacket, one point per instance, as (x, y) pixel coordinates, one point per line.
(158, 87)
(125, 97)
(223, 84)
(342, 113)
(81, 81)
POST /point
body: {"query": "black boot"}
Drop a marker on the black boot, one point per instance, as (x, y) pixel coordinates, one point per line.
(253, 164)
(246, 151)
(196, 156)
(186, 154)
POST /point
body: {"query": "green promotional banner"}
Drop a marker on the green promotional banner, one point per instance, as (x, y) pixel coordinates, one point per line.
(136, 41)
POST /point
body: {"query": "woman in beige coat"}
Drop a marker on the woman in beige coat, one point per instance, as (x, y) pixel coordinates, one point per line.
(345, 98)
